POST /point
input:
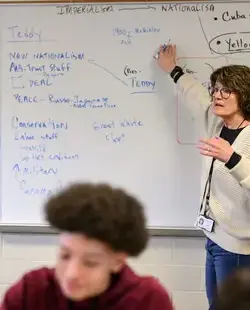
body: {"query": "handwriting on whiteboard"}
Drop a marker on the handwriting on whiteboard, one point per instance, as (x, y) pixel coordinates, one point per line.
(128, 34)
(20, 34)
(39, 74)
(231, 43)
(24, 72)
(113, 125)
(77, 9)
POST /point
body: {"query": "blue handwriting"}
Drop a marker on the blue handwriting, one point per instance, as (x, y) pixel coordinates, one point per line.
(59, 55)
(14, 67)
(77, 102)
(103, 125)
(54, 68)
(34, 148)
(128, 34)
(47, 56)
(60, 156)
(92, 103)
(131, 123)
(17, 55)
(143, 85)
(41, 82)
(53, 157)
(116, 139)
(33, 170)
(47, 75)
(16, 82)
(19, 34)
(43, 191)
(137, 30)
(50, 123)
(23, 136)
(125, 123)
(33, 156)
(25, 99)
(52, 136)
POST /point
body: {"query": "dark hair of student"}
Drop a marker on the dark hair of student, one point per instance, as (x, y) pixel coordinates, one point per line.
(100, 212)
(234, 293)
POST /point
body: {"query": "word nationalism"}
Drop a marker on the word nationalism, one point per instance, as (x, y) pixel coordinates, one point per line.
(178, 7)
(47, 55)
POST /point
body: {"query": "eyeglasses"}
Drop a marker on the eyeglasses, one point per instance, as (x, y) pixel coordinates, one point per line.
(225, 92)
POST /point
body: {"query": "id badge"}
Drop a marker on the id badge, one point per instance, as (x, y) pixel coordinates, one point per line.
(205, 223)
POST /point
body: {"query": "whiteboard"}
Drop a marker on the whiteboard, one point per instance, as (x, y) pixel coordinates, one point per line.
(82, 99)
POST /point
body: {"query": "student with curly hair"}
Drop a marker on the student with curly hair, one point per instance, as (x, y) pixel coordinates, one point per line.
(225, 207)
(99, 227)
(234, 292)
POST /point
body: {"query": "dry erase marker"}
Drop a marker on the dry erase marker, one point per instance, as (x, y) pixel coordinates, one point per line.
(164, 46)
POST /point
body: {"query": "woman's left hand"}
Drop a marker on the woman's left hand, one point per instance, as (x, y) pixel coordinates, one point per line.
(217, 148)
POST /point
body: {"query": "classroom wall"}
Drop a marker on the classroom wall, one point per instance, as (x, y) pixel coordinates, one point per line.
(177, 262)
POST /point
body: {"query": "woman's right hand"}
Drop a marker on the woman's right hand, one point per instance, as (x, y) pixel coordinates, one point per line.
(167, 58)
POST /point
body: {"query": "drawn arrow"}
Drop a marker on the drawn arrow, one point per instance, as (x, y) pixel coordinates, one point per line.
(91, 61)
(138, 8)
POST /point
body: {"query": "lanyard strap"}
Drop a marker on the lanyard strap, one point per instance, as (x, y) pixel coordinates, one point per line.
(207, 185)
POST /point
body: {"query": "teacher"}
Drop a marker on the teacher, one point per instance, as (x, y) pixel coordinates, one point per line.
(224, 214)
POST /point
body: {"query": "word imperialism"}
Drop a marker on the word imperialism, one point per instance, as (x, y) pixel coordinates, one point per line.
(73, 9)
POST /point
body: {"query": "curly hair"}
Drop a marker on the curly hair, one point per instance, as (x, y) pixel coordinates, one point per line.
(100, 212)
(234, 292)
(236, 78)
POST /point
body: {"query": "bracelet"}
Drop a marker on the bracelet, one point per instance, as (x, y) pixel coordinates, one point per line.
(175, 70)
(178, 75)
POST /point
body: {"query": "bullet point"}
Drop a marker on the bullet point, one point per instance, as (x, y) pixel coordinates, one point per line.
(215, 18)
(218, 42)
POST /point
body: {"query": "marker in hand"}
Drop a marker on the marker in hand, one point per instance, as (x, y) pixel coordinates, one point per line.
(164, 46)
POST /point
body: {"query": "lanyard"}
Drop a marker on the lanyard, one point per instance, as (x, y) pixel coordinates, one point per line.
(207, 185)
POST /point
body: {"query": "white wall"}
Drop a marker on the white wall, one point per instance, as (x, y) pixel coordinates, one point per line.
(177, 262)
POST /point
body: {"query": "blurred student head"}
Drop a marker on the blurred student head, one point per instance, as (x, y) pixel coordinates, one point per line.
(100, 226)
(234, 293)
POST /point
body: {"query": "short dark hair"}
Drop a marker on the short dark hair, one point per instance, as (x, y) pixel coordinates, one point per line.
(101, 212)
(234, 292)
(236, 78)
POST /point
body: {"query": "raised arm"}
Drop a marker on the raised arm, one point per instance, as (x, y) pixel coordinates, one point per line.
(195, 95)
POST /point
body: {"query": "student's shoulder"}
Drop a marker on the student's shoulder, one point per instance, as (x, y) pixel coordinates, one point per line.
(38, 278)
(26, 287)
(152, 285)
(155, 295)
